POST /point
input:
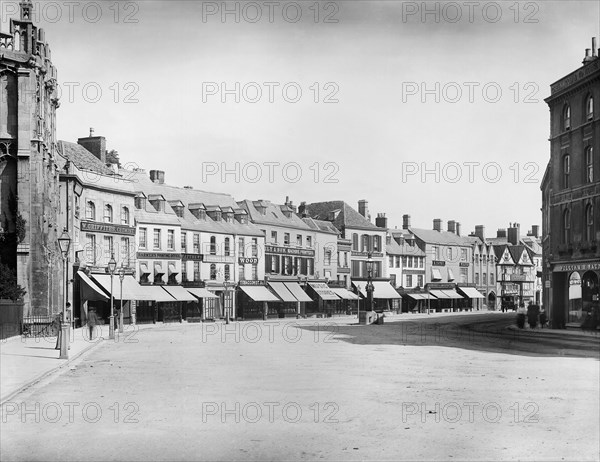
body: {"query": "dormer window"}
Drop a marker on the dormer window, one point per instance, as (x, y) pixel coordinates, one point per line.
(198, 210)
(140, 202)
(241, 216)
(177, 207)
(214, 212)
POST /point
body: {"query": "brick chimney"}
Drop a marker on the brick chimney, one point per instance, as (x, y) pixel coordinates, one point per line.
(381, 221)
(535, 231)
(302, 209)
(437, 224)
(157, 176)
(501, 232)
(95, 144)
(480, 232)
(514, 234)
(457, 228)
(451, 226)
(405, 221)
(363, 209)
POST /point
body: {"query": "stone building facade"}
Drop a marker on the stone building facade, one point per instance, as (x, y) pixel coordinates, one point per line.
(29, 168)
(571, 198)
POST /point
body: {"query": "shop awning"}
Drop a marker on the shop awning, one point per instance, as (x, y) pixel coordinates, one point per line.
(179, 293)
(324, 291)
(131, 289)
(450, 275)
(451, 293)
(201, 292)
(297, 292)
(421, 296)
(381, 289)
(439, 294)
(345, 294)
(157, 293)
(436, 275)
(90, 291)
(144, 268)
(260, 294)
(282, 292)
(471, 292)
(158, 269)
(172, 269)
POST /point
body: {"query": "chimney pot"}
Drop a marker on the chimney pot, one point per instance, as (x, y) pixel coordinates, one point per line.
(157, 176)
(381, 220)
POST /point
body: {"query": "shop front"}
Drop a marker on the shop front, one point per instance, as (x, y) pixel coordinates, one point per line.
(471, 294)
(196, 311)
(348, 301)
(447, 299)
(383, 293)
(254, 299)
(577, 286)
(324, 299)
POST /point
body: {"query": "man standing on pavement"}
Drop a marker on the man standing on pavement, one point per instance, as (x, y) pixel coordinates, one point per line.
(92, 321)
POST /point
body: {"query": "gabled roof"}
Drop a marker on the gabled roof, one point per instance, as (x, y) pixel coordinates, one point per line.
(273, 215)
(321, 225)
(340, 214)
(430, 236)
(195, 198)
(82, 158)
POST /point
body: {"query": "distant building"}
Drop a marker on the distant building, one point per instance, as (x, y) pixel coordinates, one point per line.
(571, 198)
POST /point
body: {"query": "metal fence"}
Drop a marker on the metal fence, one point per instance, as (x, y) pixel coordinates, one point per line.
(39, 326)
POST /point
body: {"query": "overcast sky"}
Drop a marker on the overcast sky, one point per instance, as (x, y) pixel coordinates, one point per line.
(488, 64)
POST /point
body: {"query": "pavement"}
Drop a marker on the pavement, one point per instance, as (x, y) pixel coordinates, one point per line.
(317, 389)
(26, 361)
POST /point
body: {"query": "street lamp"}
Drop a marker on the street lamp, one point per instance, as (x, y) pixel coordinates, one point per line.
(226, 285)
(370, 287)
(358, 303)
(64, 242)
(112, 265)
(121, 277)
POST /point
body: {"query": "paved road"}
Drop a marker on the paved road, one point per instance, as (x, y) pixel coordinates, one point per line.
(463, 386)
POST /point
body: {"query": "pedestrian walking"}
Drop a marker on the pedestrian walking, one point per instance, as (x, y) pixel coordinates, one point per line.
(543, 318)
(92, 321)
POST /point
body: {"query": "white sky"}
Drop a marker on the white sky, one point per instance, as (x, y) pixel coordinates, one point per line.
(376, 49)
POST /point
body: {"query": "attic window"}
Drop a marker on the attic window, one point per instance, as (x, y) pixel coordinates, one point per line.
(158, 205)
(140, 202)
(178, 211)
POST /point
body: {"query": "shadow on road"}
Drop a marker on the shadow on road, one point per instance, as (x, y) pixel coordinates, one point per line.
(491, 333)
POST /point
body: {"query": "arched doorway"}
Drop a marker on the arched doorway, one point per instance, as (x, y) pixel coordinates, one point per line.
(491, 301)
(575, 312)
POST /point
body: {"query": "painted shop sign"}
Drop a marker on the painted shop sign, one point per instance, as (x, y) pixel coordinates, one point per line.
(463, 265)
(252, 283)
(577, 267)
(218, 259)
(248, 260)
(438, 263)
(354, 253)
(289, 251)
(191, 256)
(107, 228)
(158, 255)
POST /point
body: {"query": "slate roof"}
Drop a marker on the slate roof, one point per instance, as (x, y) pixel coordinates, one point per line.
(515, 252)
(210, 200)
(431, 236)
(321, 225)
(340, 214)
(82, 158)
(273, 215)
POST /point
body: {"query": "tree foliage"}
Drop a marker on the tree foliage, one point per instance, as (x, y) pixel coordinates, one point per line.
(9, 289)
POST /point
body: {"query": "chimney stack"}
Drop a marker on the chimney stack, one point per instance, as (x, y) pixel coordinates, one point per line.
(405, 221)
(535, 230)
(157, 176)
(381, 221)
(588, 56)
(594, 47)
(363, 209)
(514, 234)
(501, 232)
(451, 226)
(480, 232)
(302, 209)
(95, 144)
(437, 224)
(457, 228)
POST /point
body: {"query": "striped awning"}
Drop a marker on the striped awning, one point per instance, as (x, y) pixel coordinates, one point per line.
(179, 293)
(297, 291)
(282, 292)
(201, 292)
(324, 291)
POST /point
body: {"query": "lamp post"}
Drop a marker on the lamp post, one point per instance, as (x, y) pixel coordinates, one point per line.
(121, 277)
(112, 265)
(370, 287)
(358, 303)
(226, 285)
(64, 242)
